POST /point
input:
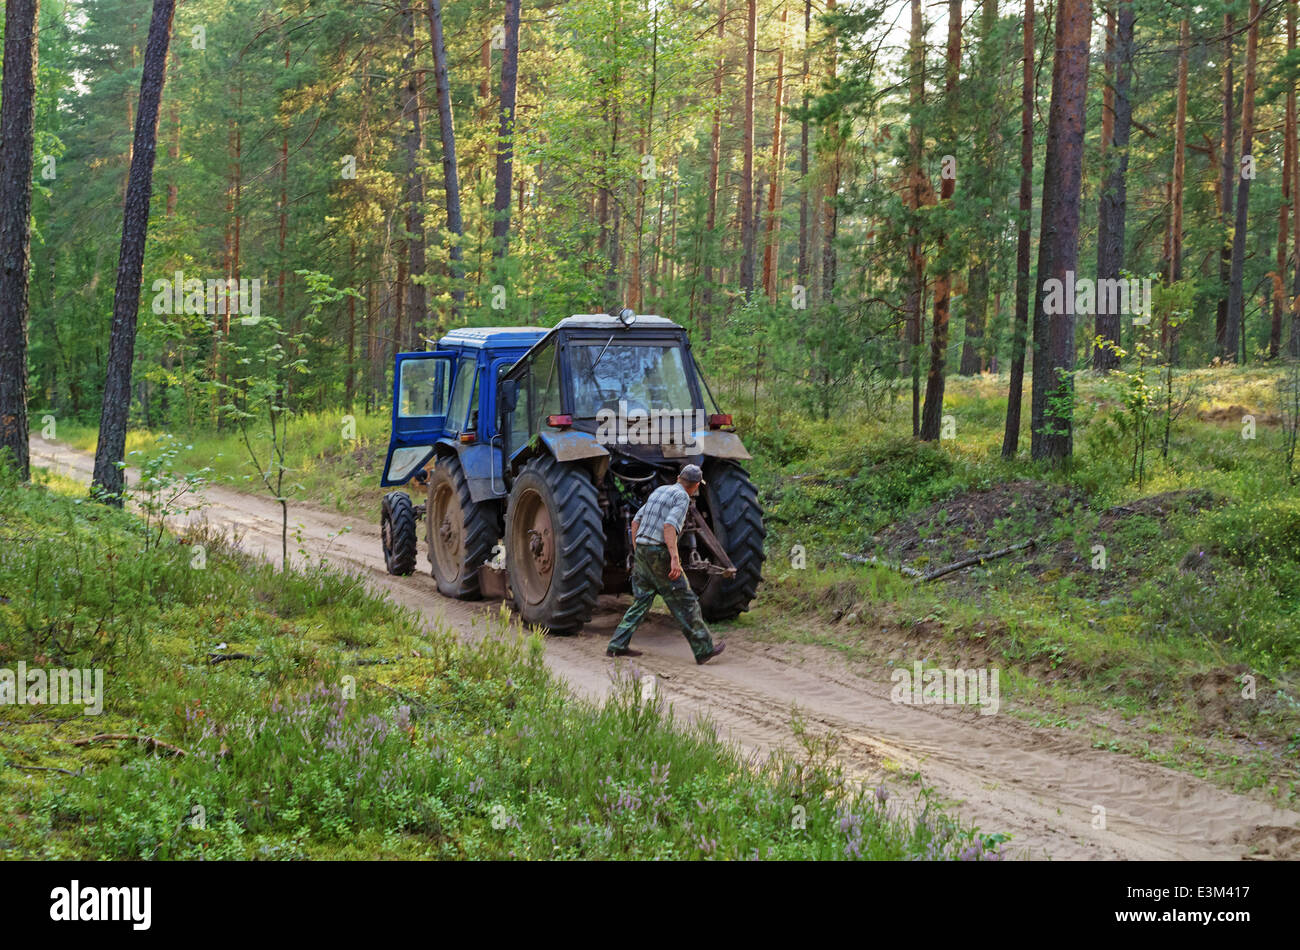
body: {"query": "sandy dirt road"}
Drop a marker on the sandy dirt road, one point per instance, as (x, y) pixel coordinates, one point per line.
(1041, 785)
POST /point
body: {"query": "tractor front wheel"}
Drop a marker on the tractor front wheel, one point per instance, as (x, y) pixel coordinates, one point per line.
(555, 544)
(397, 530)
(461, 534)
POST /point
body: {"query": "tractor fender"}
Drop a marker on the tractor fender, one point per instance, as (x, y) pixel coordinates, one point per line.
(714, 444)
(481, 464)
(569, 445)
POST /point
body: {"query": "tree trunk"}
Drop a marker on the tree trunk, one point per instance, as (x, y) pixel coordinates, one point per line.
(1175, 272)
(506, 134)
(417, 301)
(450, 175)
(932, 415)
(1281, 301)
(17, 137)
(109, 478)
(1114, 192)
(771, 248)
(1226, 179)
(350, 377)
(1232, 332)
(831, 210)
(747, 222)
(1058, 246)
(715, 155)
(634, 292)
(916, 260)
(973, 353)
(803, 148)
(1293, 343)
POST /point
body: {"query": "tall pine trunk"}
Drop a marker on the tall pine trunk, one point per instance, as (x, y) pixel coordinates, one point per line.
(506, 133)
(715, 153)
(916, 258)
(834, 149)
(17, 135)
(748, 226)
(1015, 393)
(1058, 247)
(803, 147)
(450, 174)
(1114, 193)
(932, 415)
(1175, 272)
(109, 477)
(1293, 341)
(1226, 179)
(1281, 300)
(417, 300)
(1232, 331)
(771, 246)
(977, 302)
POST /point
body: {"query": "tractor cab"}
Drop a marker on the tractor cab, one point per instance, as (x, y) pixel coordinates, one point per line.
(448, 396)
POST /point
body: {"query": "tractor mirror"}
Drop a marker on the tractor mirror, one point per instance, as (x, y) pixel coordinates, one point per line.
(509, 395)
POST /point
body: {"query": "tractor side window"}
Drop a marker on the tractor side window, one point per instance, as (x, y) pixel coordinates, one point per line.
(460, 395)
(423, 390)
(546, 388)
(519, 419)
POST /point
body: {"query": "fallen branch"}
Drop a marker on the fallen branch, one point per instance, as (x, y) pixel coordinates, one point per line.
(878, 562)
(940, 571)
(215, 658)
(148, 741)
(978, 559)
(41, 768)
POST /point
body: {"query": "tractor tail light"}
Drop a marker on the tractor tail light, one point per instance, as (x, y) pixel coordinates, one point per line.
(559, 422)
(719, 419)
(468, 438)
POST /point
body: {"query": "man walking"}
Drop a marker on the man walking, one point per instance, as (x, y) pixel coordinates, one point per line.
(657, 568)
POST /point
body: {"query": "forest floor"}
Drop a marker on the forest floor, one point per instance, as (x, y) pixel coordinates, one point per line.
(1043, 771)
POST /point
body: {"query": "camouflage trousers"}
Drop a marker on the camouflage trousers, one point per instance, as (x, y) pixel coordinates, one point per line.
(650, 569)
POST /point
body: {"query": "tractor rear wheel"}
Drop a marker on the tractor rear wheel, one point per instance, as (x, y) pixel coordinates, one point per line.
(461, 534)
(737, 521)
(397, 530)
(555, 544)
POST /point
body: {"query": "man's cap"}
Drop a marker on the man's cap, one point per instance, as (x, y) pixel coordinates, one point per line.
(692, 473)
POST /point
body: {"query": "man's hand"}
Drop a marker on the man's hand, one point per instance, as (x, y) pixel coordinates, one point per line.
(674, 559)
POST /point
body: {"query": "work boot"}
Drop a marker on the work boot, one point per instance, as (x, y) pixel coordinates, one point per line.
(628, 651)
(701, 660)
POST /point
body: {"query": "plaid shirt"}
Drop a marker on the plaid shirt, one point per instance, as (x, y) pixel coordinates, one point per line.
(667, 504)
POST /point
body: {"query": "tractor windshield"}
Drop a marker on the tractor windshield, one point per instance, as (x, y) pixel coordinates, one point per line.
(645, 376)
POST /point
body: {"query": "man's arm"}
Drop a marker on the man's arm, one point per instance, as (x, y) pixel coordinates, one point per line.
(672, 527)
(674, 559)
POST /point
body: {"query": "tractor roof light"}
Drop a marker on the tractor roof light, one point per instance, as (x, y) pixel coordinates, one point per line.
(627, 316)
(719, 420)
(559, 421)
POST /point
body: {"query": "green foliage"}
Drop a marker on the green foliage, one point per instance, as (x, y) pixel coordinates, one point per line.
(452, 750)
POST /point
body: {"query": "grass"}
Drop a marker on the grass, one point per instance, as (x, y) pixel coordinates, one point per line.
(350, 730)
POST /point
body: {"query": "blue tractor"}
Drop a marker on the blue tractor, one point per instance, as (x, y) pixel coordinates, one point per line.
(540, 445)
